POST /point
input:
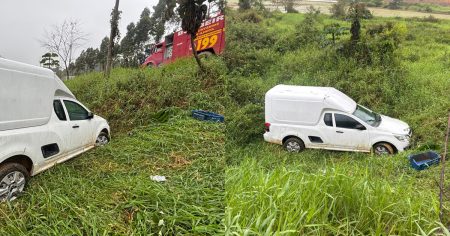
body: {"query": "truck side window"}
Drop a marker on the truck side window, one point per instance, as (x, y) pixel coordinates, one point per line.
(59, 110)
(328, 119)
(343, 121)
(76, 112)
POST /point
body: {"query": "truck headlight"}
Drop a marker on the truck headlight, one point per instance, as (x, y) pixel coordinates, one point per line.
(402, 138)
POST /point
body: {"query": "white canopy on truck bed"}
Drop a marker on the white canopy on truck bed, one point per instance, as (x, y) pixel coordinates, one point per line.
(303, 105)
(26, 94)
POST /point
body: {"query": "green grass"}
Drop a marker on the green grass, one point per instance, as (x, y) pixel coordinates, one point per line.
(328, 193)
(109, 191)
(271, 192)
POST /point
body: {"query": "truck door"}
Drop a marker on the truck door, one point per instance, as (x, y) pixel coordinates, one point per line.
(79, 122)
(62, 129)
(349, 134)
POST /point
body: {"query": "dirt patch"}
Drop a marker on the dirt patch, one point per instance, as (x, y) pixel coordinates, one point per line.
(178, 160)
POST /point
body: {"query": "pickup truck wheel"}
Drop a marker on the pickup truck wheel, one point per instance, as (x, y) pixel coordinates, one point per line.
(383, 149)
(13, 179)
(102, 139)
(294, 145)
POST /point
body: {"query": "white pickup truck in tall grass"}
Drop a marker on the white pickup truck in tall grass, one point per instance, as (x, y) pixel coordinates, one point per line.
(41, 124)
(299, 117)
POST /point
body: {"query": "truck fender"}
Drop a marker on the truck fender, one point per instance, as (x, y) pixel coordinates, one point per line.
(104, 127)
(292, 134)
(385, 139)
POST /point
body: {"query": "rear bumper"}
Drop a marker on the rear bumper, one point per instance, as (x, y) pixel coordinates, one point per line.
(270, 139)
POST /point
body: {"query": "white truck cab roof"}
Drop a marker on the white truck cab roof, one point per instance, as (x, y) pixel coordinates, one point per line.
(26, 94)
(333, 97)
(304, 104)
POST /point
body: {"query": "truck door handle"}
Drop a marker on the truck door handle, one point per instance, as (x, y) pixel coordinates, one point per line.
(76, 126)
(340, 132)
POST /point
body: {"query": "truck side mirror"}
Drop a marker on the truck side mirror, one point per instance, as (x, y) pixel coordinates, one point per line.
(90, 115)
(360, 127)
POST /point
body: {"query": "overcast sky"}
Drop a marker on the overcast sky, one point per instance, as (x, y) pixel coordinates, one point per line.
(23, 22)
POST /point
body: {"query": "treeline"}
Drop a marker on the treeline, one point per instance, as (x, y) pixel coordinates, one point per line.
(130, 50)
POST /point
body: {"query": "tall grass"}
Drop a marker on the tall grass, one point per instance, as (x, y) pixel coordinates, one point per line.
(108, 191)
(328, 193)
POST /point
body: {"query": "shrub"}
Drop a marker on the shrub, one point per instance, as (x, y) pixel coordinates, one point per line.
(308, 32)
(243, 91)
(246, 124)
(251, 16)
(337, 10)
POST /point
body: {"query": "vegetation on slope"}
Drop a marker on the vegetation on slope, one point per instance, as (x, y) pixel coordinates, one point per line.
(108, 190)
(399, 68)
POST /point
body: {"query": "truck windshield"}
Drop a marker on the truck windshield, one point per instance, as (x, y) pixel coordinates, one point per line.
(367, 116)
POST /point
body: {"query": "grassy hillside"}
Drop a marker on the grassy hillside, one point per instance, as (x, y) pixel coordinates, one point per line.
(108, 190)
(399, 68)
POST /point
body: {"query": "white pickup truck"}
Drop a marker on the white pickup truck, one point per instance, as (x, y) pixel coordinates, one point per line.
(299, 117)
(41, 124)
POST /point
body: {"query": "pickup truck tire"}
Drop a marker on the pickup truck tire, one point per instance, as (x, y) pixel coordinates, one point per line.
(13, 179)
(102, 139)
(383, 149)
(294, 145)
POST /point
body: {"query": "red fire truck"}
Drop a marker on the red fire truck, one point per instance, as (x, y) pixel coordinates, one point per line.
(210, 40)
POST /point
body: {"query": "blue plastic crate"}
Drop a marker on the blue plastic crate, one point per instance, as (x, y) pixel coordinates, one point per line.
(424, 160)
(207, 116)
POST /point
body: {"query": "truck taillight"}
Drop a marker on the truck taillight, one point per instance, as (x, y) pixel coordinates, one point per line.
(267, 126)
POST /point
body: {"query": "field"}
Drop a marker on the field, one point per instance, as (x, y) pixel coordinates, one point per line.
(271, 192)
(409, 11)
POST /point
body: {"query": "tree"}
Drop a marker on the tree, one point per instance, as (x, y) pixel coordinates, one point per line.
(337, 10)
(142, 35)
(222, 5)
(335, 30)
(307, 31)
(115, 16)
(133, 44)
(192, 13)
(87, 61)
(127, 45)
(289, 6)
(248, 4)
(245, 4)
(158, 19)
(50, 60)
(103, 53)
(356, 12)
(64, 40)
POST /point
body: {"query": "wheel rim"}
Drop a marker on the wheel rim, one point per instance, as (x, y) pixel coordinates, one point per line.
(101, 140)
(11, 186)
(293, 146)
(381, 150)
